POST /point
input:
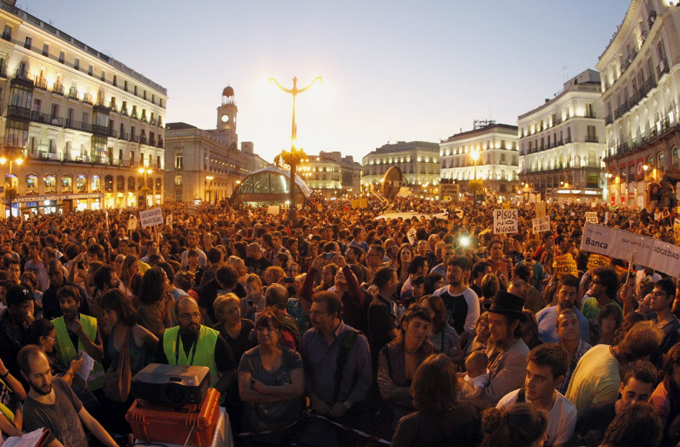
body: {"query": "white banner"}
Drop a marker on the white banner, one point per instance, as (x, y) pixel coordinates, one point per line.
(151, 217)
(541, 224)
(273, 210)
(505, 221)
(619, 244)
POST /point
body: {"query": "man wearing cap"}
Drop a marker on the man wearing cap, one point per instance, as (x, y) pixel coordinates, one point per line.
(506, 351)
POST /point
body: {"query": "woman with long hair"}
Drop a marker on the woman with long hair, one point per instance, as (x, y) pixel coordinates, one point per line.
(444, 337)
(610, 319)
(404, 257)
(440, 418)
(398, 360)
(271, 382)
(129, 269)
(521, 425)
(123, 329)
(154, 311)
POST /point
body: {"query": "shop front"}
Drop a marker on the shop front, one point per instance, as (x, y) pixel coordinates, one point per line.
(33, 204)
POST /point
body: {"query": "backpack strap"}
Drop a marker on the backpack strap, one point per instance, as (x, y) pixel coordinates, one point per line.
(346, 346)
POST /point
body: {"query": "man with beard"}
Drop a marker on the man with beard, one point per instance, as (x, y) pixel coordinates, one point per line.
(462, 303)
(52, 404)
(603, 287)
(77, 333)
(192, 344)
(506, 351)
(14, 326)
(51, 307)
(567, 291)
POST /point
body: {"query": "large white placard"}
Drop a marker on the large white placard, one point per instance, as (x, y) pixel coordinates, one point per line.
(151, 217)
(541, 224)
(505, 221)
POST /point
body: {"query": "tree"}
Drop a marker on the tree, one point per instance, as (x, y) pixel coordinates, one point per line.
(291, 159)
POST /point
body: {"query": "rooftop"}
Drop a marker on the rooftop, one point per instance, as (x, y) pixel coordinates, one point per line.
(481, 131)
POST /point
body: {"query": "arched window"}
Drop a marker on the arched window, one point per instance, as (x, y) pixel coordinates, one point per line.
(120, 183)
(50, 183)
(108, 183)
(67, 183)
(159, 185)
(81, 183)
(131, 184)
(31, 183)
(96, 184)
(14, 183)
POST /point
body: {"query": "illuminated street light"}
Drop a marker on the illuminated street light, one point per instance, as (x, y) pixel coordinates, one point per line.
(146, 172)
(293, 149)
(11, 192)
(209, 178)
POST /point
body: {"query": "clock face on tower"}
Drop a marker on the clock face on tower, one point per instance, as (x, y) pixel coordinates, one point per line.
(225, 118)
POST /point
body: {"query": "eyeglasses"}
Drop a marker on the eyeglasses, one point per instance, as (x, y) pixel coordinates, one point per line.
(51, 338)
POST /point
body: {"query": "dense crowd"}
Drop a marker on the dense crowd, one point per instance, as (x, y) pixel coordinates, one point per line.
(425, 329)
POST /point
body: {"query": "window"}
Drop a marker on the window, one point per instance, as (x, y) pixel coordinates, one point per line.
(28, 42)
(179, 160)
(46, 50)
(50, 183)
(178, 180)
(76, 64)
(135, 91)
(66, 183)
(7, 33)
(81, 183)
(125, 86)
(115, 80)
(62, 57)
(31, 183)
(103, 76)
(90, 69)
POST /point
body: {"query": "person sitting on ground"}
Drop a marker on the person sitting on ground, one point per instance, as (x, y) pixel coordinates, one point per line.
(521, 425)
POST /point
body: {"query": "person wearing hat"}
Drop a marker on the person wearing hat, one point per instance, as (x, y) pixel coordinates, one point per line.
(506, 351)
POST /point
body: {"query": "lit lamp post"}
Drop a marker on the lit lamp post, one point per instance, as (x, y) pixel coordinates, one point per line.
(209, 178)
(294, 155)
(144, 190)
(11, 192)
(475, 156)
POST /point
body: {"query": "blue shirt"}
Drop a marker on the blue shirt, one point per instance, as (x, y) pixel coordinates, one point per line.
(547, 331)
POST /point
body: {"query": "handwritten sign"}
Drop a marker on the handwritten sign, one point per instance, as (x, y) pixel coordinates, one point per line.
(591, 217)
(541, 224)
(132, 223)
(565, 265)
(192, 210)
(273, 210)
(151, 217)
(596, 261)
(505, 221)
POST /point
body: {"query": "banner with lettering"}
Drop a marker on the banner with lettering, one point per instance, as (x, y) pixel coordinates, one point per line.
(596, 261)
(505, 221)
(565, 265)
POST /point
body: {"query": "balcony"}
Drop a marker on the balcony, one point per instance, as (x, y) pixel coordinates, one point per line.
(608, 120)
(100, 130)
(113, 107)
(18, 112)
(7, 36)
(124, 111)
(73, 93)
(124, 136)
(134, 138)
(592, 139)
(662, 68)
(58, 88)
(142, 139)
(160, 143)
(77, 125)
(41, 83)
(113, 133)
(87, 98)
(152, 141)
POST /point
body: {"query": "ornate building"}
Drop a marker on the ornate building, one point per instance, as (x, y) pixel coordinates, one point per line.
(640, 70)
(418, 161)
(207, 164)
(495, 148)
(332, 174)
(561, 143)
(77, 125)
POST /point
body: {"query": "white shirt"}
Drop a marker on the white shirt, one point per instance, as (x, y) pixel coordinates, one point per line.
(561, 417)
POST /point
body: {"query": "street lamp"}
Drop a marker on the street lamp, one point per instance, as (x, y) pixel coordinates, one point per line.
(293, 150)
(209, 178)
(146, 172)
(11, 191)
(475, 156)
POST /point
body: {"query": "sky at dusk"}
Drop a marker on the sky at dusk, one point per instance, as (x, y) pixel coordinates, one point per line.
(393, 70)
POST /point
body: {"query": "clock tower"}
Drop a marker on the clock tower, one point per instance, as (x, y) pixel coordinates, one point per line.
(226, 118)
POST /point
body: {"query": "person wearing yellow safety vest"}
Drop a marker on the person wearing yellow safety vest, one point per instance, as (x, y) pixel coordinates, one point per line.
(192, 344)
(12, 393)
(78, 333)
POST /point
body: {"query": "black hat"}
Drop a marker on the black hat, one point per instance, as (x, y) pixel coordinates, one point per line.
(505, 303)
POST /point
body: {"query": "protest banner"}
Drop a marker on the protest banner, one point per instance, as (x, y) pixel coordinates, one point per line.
(540, 209)
(505, 221)
(591, 217)
(151, 217)
(596, 261)
(411, 235)
(192, 210)
(274, 210)
(541, 224)
(565, 265)
(132, 223)
(359, 204)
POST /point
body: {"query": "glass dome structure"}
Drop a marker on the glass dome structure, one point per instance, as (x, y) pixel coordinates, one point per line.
(269, 186)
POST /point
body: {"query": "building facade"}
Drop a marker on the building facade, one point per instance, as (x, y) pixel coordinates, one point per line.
(495, 148)
(207, 165)
(77, 125)
(561, 144)
(418, 161)
(640, 74)
(331, 174)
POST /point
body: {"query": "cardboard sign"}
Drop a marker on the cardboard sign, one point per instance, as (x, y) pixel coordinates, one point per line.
(151, 217)
(565, 265)
(541, 224)
(505, 221)
(411, 235)
(596, 261)
(540, 209)
(591, 217)
(192, 210)
(359, 204)
(132, 223)
(273, 210)
(168, 219)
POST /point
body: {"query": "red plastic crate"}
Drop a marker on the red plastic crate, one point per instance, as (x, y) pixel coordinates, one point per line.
(157, 422)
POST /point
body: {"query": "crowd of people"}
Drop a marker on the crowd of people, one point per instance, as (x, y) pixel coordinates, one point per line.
(342, 327)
